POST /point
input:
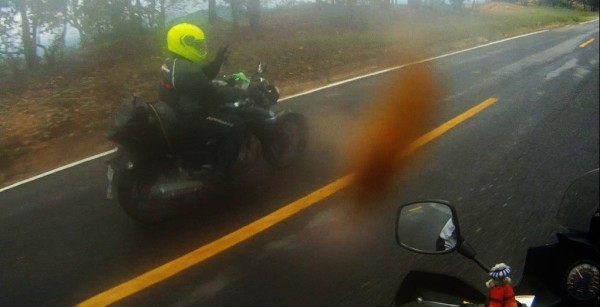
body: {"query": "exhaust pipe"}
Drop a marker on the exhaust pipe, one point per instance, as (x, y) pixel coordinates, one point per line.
(175, 189)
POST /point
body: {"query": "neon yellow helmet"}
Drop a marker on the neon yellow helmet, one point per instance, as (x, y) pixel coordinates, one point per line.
(187, 40)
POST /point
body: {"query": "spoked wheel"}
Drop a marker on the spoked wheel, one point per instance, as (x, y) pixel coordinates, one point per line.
(288, 142)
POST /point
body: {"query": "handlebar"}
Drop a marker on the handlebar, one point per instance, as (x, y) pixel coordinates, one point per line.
(235, 105)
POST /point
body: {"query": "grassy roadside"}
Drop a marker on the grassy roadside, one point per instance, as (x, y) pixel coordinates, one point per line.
(60, 119)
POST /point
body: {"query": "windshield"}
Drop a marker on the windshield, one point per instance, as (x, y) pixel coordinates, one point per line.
(580, 202)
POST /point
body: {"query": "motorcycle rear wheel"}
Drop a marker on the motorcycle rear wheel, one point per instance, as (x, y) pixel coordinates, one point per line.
(133, 191)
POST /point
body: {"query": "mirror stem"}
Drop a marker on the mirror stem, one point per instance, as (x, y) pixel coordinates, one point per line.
(482, 265)
(466, 250)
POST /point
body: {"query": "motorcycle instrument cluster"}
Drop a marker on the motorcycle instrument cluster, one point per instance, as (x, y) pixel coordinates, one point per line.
(583, 281)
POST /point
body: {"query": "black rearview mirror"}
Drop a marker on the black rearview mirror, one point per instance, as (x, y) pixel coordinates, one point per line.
(261, 68)
(428, 227)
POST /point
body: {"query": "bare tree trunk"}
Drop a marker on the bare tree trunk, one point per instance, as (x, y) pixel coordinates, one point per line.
(29, 46)
(60, 56)
(139, 14)
(63, 34)
(55, 53)
(212, 11)
(34, 32)
(386, 4)
(254, 13)
(151, 13)
(73, 16)
(162, 19)
(235, 13)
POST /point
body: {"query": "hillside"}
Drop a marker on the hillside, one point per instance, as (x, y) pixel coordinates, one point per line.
(55, 119)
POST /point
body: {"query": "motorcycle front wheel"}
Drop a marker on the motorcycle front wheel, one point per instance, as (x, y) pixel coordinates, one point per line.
(288, 141)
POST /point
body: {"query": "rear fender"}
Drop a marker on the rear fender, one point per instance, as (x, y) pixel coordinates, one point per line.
(124, 161)
(119, 166)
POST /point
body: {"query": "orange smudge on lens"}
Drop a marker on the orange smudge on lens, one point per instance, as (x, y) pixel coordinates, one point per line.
(399, 116)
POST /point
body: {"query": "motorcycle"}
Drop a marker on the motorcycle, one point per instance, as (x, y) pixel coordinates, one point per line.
(150, 174)
(573, 280)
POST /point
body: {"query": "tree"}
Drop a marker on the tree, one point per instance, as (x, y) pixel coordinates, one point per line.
(28, 35)
(254, 13)
(245, 8)
(7, 29)
(27, 17)
(415, 3)
(212, 11)
(235, 11)
(457, 5)
(101, 24)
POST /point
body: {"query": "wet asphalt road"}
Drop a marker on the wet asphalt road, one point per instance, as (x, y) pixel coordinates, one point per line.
(504, 170)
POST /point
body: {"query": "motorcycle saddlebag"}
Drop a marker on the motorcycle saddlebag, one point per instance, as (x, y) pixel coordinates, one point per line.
(141, 126)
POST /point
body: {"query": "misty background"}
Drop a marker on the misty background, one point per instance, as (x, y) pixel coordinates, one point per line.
(55, 25)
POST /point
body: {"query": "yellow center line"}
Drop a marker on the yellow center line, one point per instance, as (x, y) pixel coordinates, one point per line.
(589, 41)
(194, 257)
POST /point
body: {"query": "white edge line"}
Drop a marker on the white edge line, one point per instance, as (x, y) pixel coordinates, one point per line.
(405, 65)
(594, 20)
(290, 97)
(59, 169)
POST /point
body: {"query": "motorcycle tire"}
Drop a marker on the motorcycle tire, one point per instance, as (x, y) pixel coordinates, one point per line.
(288, 142)
(132, 194)
(248, 154)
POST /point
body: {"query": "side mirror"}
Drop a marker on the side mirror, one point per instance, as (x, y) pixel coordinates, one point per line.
(261, 68)
(428, 227)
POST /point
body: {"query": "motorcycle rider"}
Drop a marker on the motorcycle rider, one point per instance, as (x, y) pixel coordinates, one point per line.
(447, 238)
(186, 85)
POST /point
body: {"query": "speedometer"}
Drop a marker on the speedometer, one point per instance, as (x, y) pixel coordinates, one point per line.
(583, 281)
